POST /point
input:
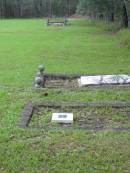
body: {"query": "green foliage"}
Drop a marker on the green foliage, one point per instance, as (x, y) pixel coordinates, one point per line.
(108, 10)
(124, 36)
(110, 27)
(99, 6)
(113, 27)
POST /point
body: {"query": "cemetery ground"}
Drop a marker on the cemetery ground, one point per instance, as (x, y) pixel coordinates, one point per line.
(84, 47)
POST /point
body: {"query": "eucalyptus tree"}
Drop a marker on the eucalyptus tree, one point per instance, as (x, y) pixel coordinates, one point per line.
(127, 12)
(35, 8)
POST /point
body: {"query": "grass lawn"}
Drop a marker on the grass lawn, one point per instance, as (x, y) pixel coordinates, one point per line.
(84, 47)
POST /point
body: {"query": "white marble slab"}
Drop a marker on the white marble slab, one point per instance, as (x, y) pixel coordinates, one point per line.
(66, 118)
(104, 79)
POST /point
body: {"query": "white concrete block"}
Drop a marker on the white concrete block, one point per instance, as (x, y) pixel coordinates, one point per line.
(66, 118)
(104, 79)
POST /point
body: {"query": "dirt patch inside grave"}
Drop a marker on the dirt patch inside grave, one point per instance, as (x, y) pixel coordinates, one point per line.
(87, 118)
(60, 83)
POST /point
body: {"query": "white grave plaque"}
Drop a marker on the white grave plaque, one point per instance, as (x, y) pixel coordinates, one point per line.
(66, 118)
(104, 79)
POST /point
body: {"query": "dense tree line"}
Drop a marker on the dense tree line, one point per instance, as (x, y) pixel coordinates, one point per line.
(110, 10)
(36, 8)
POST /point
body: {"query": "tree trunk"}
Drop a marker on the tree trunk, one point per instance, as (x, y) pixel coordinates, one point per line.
(127, 13)
(125, 17)
(112, 17)
(19, 8)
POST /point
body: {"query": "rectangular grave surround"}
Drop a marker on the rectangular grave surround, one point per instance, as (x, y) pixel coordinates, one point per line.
(104, 79)
(89, 116)
(84, 118)
(66, 118)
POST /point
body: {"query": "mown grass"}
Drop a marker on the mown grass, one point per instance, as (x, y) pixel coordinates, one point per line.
(84, 47)
(81, 48)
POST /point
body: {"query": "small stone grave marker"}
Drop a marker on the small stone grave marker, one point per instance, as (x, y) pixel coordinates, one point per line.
(66, 118)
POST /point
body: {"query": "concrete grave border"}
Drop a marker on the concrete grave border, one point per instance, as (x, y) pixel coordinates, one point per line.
(29, 108)
(76, 77)
(26, 115)
(78, 81)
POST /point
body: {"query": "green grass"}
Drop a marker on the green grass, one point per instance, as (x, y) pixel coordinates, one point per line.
(84, 47)
(25, 44)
